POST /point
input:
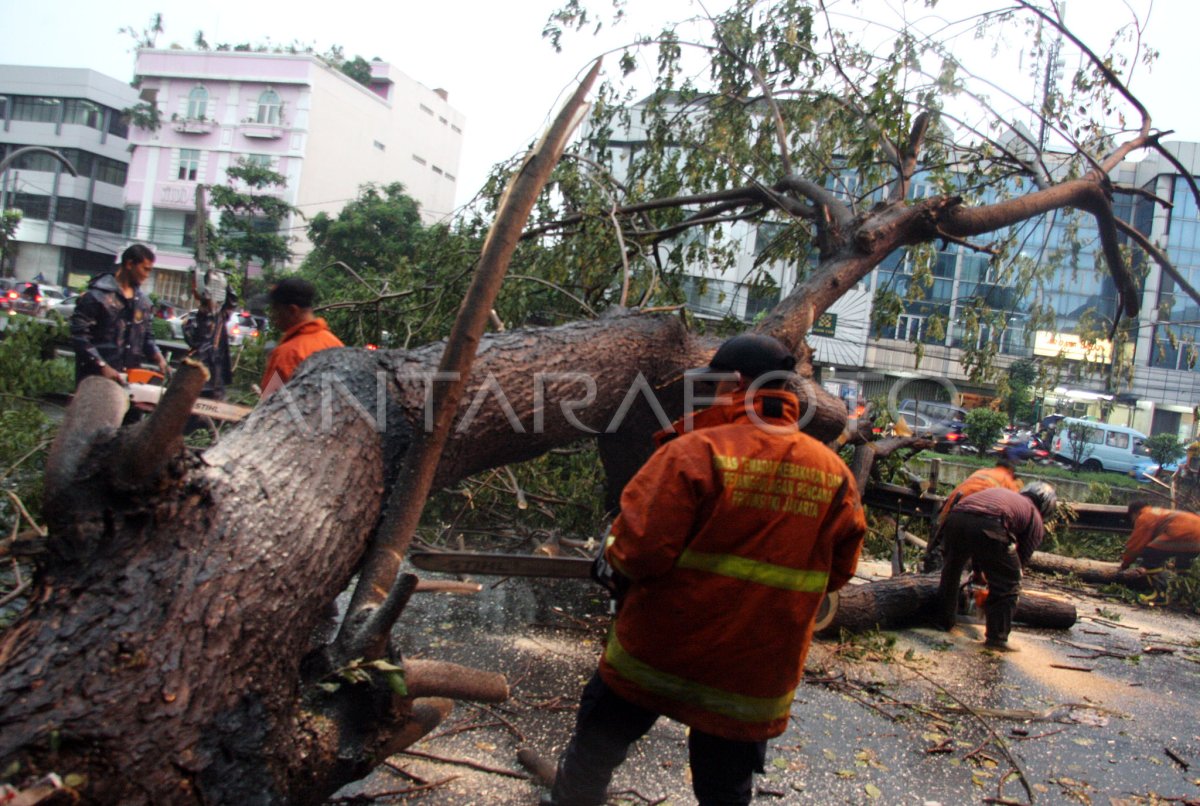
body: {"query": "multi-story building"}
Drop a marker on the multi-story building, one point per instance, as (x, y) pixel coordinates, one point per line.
(855, 355)
(72, 225)
(326, 133)
(1164, 390)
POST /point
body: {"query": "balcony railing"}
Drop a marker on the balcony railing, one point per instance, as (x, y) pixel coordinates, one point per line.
(193, 126)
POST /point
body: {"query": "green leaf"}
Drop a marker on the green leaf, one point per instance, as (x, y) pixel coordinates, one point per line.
(396, 681)
(872, 791)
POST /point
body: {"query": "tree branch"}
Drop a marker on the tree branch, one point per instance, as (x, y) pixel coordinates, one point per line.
(152, 443)
(99, 406)
(407, 499)
(1161, 259)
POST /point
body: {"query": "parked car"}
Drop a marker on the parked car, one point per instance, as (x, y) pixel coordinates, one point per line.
(942, 421)
(1109, 447)
(240, 325)
(21, 296)
(948, 437)
(1145, 470)
(53, 295)
(64, 307)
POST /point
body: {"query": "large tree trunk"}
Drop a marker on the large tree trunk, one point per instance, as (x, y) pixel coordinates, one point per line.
(162, 654)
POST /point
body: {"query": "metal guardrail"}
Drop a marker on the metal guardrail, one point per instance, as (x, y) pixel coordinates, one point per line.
(897, 499)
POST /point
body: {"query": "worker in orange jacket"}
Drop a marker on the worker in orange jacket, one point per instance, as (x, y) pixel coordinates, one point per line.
(727, 540)
(1160, 534)
(304, 333)
(1002, 476)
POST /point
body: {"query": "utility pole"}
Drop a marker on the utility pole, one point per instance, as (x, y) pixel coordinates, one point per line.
(200, 273)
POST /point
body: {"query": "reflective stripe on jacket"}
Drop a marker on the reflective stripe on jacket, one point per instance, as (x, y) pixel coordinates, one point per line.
(730, 535)
(1164, 530)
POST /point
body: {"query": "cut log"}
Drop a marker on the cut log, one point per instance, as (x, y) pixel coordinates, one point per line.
(905, 600)
(1093, 571)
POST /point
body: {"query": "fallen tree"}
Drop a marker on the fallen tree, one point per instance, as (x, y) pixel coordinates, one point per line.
(167, 655)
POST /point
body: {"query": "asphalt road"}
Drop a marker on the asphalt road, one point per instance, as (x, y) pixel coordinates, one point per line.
(910, 717)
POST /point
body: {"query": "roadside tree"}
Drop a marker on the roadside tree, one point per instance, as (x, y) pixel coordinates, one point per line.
(251, 213)
(1080, 446)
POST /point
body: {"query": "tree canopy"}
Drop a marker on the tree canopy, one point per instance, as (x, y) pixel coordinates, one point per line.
(251, 212)
(859, 139)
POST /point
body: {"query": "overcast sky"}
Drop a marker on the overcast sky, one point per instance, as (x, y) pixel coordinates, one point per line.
(491, 56)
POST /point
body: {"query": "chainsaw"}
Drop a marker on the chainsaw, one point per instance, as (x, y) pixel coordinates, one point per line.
(145, 396)
(536, 565)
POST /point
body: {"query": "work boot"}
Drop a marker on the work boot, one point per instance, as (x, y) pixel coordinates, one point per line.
(999, 645)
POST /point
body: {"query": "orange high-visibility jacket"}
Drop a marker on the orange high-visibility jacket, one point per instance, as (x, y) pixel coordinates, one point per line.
(296, 345)
(731, 534)
(1162, 529)
(985, 479)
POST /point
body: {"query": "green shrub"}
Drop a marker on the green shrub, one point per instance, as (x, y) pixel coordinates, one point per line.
(161, 329)
(984, 426)
(1164, 448)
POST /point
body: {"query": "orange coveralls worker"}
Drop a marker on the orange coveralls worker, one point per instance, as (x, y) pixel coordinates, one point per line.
(1159, 534)
(730, 535)
(984, 479)
(988, 478)
(297, 344)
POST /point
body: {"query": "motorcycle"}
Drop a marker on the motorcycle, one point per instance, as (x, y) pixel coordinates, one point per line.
(1021, 446)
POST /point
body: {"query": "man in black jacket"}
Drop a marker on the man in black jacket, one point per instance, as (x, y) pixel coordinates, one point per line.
(110, 329)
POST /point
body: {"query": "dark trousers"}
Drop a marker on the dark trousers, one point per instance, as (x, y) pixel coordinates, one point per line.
(969, 538)
(607, 724)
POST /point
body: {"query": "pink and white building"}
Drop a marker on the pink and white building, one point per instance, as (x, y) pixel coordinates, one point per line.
(326, 133)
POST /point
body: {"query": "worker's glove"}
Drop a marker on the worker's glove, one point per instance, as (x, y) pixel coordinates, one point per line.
(608, 577)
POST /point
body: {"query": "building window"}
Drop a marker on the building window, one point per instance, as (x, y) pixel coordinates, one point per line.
(455, 129)
(197, 103)
(418, 160)
(261, 160)
(379, 145)
(269, 108)
(70, 211)
(36, 110)
(766, 233)
(174, 228)
(117, 125)
(131, 229)
(83, 113)
(909, 327)
(175, 286)
(426, 109)
(32, 205)
(437, 170)
(189, 164)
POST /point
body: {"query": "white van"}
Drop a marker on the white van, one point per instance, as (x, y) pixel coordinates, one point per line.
(1107, 447)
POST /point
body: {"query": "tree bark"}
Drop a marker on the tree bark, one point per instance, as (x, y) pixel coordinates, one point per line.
(165, 653)
(1095, 572)
(905, 600)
